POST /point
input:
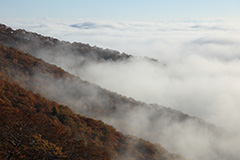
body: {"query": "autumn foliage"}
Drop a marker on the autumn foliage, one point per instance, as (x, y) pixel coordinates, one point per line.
(33, 127)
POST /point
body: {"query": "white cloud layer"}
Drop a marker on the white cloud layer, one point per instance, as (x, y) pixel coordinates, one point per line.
(202, 71)
(198, 70)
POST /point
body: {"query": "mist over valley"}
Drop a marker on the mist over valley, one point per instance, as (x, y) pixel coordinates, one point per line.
(192, 72)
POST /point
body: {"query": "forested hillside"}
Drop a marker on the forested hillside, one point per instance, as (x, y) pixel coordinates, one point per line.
(33, 127)
(152, 122)
(41, 46)
(84, 97)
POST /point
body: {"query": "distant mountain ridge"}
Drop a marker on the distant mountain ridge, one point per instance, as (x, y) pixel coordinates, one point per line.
(34, 43)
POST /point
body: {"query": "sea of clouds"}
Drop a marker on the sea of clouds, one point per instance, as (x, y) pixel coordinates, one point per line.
(198, 71)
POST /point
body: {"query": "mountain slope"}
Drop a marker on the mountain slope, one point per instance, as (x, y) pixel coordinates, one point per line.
(175, 130)
(33, 127)
(41, 46)
(33, 43)
(91, 100)
(55, 83)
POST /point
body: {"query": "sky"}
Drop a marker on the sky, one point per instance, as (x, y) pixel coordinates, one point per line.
(124, 10)
(197, 40)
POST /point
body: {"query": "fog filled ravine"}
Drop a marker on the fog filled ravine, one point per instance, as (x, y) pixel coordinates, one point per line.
(182, 78)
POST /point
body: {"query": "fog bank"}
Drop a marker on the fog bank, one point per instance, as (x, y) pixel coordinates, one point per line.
(197, 72)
